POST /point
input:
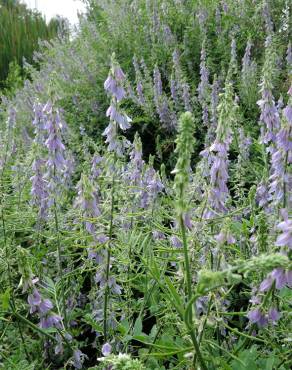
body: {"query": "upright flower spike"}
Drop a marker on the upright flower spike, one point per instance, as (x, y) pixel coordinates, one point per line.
(204, 86)
(269, 118)
(180, 89)
(151, 185)
(218, 192)
(289, 58)
(114, 86)
(87, 201)
(279, 277)
(166, 114)
(56, 163)
(248, 78)
(280, 185)
(232, 70)
(139, 83)
(267, 18)
(39, 191)
(39, 123)
(184, 149)
(49, 129)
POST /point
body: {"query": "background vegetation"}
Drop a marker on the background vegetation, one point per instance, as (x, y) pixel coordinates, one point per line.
(20, 30)
(145, 177)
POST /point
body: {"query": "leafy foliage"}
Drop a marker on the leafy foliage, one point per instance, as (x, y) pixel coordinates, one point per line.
(145, 191)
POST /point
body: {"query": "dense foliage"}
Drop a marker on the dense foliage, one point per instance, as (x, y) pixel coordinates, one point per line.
(145, 176)
(20, 30)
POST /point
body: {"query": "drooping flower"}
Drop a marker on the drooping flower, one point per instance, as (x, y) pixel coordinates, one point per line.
(256, 316)
(114, 86)
(39, 191)
(78, 359)
(43, 306)
(225, 237)
(87, 201)
(158, 235)
(285, 238)
(273, 315)
(106, 349)
(163, 109)
(280, 185)
(51, 321)
(151, 186)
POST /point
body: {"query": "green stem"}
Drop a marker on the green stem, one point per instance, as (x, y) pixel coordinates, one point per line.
(107, 291)
(9, 272)
(60, 273)
(188, 279)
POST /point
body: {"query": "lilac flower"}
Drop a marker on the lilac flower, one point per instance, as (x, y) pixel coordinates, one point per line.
(39, 122)
(280, 177)
(34, 300)
(285, 238)
(175, 241)
(122, 119)
(225, 237)
(219, 192)
(279, 277)
(152, 186)
(118, 118)
(78, 359)
(262, 194)
(87, 200)
(114, 145)
(166, 115)
(102, 239)
(56, 163)
(106, 349)
(51, 321)
(158, 235)
(100, 278)
(256, 316)
(39, 190)
(273, 315)
(202, 305)
(95, 166)
(45, 306)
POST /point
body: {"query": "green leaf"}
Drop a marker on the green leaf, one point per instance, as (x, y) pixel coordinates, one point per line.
(5, 297)
(137, 330)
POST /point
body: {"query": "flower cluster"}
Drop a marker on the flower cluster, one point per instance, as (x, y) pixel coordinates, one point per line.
(204, 86)
(114, 86)
(43, 307)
